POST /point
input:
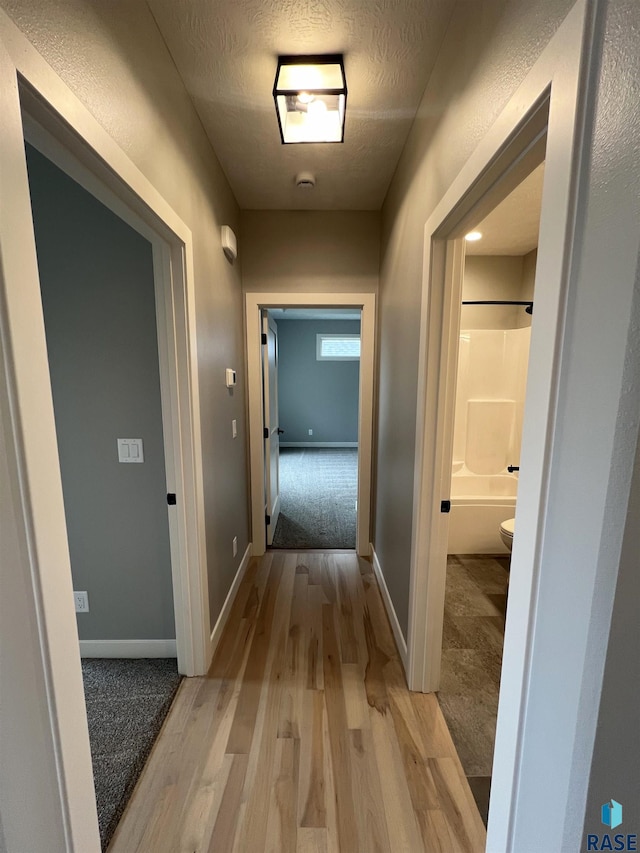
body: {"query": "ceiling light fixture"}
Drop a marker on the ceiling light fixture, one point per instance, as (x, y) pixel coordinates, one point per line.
(310, 93)
(473, 236)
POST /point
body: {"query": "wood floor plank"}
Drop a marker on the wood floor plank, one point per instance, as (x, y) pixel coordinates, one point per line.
(241, 733)
(346, 619)
(303, 736)
(282, 826)
(226, 824)
(312, 840)
(355, 697)
(262, 769)
(315, 673)
(338, 732)
(367, 792)
(312, 805)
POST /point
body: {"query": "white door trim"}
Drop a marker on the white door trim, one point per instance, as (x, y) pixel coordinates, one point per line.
(26, 383)
(560, 77)
(254, 302)
(169, 283)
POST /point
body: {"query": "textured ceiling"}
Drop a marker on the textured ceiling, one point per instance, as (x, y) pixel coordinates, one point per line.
(512, 227)
(226, 52)
(315, 313)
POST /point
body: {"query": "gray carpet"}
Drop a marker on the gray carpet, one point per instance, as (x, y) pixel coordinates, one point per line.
(318, 493)
(127, 701)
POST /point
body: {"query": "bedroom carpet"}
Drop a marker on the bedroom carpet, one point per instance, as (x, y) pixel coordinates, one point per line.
(127, 701)
(318, 493)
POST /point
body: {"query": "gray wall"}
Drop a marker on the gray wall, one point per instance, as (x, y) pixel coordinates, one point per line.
(319, 250)
(138, 97)
(96, 276)
(488, 49)
(312, 394)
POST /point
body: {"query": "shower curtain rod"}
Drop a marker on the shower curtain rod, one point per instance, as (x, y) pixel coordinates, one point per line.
(528, 305)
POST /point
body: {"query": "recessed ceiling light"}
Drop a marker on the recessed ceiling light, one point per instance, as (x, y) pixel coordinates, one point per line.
(472, 236)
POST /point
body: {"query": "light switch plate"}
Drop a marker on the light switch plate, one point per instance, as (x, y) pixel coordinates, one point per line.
(130, 450)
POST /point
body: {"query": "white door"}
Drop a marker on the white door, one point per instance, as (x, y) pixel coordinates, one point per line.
(272, 429)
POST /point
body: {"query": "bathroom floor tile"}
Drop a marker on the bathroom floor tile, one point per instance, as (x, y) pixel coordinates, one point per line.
(480, 788)
(486, 572)
(473, 637)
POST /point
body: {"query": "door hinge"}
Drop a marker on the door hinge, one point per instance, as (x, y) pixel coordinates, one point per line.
(445, 506)
(265, 432)
(171, 499)
(267, 519)
(264, 339)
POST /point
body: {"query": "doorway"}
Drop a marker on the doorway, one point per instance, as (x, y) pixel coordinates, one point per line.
(311, 379)
(97, 287)
(179, 439)
(259, 305)
(497, 305)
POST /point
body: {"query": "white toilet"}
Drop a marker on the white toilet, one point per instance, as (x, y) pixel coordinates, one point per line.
(506, 532)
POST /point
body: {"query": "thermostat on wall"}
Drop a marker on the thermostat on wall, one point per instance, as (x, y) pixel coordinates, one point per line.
(231, 377)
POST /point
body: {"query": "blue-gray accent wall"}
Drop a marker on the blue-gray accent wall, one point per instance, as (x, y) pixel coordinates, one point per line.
(96, 277)
(318, 395)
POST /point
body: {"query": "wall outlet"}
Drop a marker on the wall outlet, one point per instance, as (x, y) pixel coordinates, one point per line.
(310, 432)
(81, 600)
(235, 545)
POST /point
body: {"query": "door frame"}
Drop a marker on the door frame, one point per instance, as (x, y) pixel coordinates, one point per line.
(254, 303)
(269, 324)
(28, 84)
(176, 417)
(549, 107)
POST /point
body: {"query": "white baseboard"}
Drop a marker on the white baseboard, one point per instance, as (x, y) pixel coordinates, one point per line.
(401, 643)
(128, 649)
(318, 444)
(226, 607)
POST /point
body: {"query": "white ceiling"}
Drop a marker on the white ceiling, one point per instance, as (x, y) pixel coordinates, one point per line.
(226, 52)
(512, 227)
(315, 313)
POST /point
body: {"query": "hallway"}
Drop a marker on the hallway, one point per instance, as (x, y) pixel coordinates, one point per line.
(303, 736)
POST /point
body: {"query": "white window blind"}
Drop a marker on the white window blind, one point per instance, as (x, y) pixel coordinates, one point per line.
(337, 347)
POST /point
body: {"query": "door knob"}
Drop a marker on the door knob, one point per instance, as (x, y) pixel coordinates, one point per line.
(280, 431)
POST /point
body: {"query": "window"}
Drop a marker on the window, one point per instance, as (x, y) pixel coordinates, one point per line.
(338, 347)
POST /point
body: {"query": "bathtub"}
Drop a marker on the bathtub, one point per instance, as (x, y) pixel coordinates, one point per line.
(479, 502)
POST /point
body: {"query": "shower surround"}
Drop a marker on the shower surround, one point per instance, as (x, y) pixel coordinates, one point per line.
(490, 393)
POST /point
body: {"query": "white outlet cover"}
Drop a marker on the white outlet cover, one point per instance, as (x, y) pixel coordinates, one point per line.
(81, 601)
(130, 450)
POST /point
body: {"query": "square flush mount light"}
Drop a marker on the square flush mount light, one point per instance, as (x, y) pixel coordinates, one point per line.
(311, 98)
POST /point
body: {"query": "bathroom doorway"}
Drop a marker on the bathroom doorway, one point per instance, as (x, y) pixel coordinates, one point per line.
(496, 312)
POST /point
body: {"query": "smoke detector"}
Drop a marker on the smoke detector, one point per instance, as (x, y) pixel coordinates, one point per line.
(306, 180)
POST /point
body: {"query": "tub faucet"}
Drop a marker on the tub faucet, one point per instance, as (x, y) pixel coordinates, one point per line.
(512, 468)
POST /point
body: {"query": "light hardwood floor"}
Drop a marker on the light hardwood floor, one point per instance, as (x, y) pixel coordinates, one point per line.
(303, 736)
